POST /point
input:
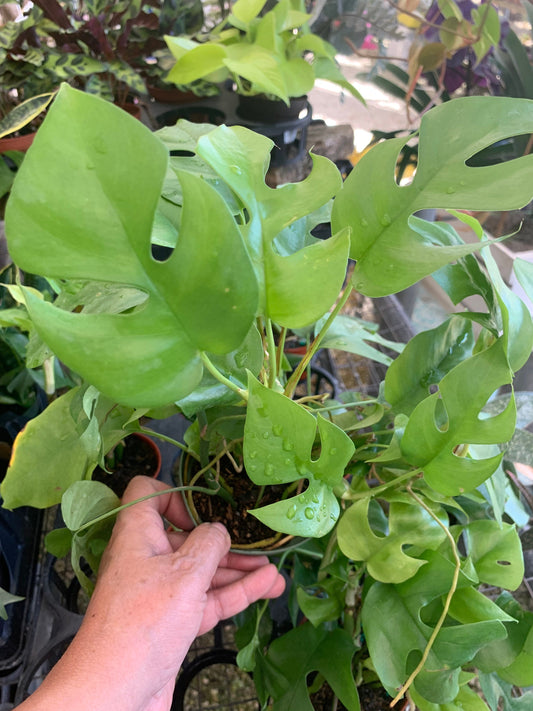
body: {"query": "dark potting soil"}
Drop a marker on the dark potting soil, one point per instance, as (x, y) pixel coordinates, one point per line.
(372, 698)
(243, 527)
(139, 459)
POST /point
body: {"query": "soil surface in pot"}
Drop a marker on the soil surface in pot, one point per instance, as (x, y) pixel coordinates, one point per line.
(243, 527)
(372, 698)
(139, 459)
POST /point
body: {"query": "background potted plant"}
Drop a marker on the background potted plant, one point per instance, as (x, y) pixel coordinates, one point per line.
(263, 52)
(403, 494)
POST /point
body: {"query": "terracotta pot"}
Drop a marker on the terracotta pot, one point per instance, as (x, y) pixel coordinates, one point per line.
(171, 95)
(132, 464)
(131, 108)
(16, 143)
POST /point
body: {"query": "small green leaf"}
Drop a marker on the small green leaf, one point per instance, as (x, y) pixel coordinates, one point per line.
(425, 361)
(6, 598)
(496, 552)
(58, 542)
(85, 501)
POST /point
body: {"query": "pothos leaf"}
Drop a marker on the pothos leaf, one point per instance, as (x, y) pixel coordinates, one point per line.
(279, 438)
(391, 254)
(450, 418)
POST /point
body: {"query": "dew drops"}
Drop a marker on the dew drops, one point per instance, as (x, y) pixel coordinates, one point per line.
(266, 434)
(252, 454)
(252, 467)
(364, 223)
(301, 499)
(277, 430)
(235, 169)
(386, 220)
(309, 513)
(288, 462)
(291, 512)
(450, 190)
(269, 470)
(288, 446)
(333, 451)
(315, 499)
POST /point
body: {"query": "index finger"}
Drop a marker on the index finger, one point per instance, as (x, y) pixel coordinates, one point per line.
(169, 506)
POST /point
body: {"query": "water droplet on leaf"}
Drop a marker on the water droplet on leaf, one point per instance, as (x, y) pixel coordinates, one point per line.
(309, 513)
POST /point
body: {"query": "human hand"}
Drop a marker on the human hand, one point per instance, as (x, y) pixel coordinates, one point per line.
(156, 591)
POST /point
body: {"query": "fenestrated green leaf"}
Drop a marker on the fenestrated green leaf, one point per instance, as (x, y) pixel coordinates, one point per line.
(398, 636)
(466, 700)
(387, 556)
(290, 659)
(279, 439)
(451, 417)
(496, 553)
(498, 692)
(425, 361)
(393, 251)
(288, 292)
(75, 224)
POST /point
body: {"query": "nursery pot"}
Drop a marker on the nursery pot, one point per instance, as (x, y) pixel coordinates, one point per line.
(17, 143)
(247, 533)
(264, 110)
(141, 457)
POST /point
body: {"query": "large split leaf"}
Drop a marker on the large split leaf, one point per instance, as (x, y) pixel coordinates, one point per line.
(399, 634)
(82, 208)
(282, 673)
(392, 250)
(450, 418)
(288, 284)
(279, 437)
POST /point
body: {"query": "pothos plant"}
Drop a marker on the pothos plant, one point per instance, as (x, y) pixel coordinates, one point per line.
(403, 496)
(270, 52)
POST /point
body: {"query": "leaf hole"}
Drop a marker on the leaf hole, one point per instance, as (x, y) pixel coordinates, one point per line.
(503, 562)
(502, 151)
(161, 253)
(179, 153)
(406, 163)
(440, 417)
(242, 218)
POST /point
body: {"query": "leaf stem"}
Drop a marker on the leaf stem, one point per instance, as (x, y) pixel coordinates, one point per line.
(302, 365)
(164, 438)
(384, 487)
(117, 510)
(447, 602)
(222, 378)
(272, 355)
